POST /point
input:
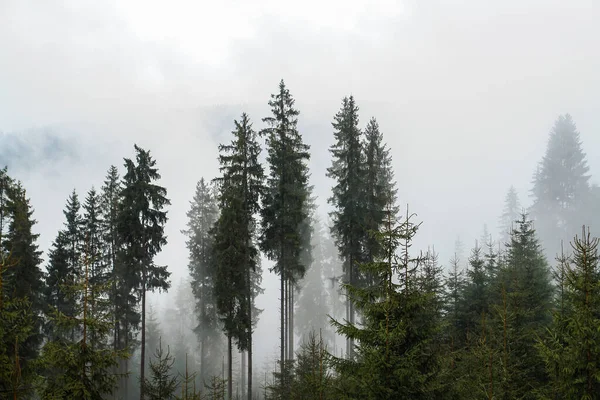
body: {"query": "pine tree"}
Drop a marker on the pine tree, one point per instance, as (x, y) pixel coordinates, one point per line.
(202, 216)
(163, 383)
(510, 214)
(560, 186)
(571, 350)
(237, 279)
(285, 205)
(348, 171)
(141, 231)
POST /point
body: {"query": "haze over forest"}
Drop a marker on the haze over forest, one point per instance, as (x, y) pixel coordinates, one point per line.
(465, 93)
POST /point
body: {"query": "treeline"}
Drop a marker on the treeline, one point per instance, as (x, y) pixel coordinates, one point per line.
(508, 321)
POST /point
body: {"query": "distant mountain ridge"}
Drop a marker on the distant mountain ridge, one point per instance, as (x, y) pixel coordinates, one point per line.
(32, 148)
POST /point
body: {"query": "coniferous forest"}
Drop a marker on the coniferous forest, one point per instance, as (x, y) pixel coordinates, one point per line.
(362, 313)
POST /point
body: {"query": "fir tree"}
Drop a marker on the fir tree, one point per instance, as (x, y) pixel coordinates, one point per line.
(24, 280)
(571, 349)
(17, 327)
(510, 214)
(202, 216)
(163, 383)
(78, 369)
(348, 171)
(237, 279)
(525, 279)
(398, 354)
(141, 231)
(380, 191)
(285, 202)
(313, 305)
(560, 186)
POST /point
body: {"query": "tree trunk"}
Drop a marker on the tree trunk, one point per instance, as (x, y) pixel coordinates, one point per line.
(291, 320)
(143, 344)
(229, 369)
(243, 372)
(282, 358)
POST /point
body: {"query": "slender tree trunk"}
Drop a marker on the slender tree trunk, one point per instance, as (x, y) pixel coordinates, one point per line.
(243, 372)
(229, 369)
(282, 300)
(291, 321)
(143, 344)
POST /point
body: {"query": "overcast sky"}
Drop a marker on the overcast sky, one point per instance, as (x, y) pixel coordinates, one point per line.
(464, 91)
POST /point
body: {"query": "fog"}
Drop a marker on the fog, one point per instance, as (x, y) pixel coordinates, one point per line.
(465, 93)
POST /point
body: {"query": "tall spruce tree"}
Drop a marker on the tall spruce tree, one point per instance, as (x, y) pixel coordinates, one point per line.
(202, 215)
(237, 279)
(380, 190)
(25, 279)
(141, 231)
(285, 205)
(21, 286)
(560, 186)
(348, 171)
(64, 269)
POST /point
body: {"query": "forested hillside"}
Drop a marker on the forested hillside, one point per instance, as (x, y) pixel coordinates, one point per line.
(362, 314)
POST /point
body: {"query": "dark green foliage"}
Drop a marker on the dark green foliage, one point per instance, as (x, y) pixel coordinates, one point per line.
(23, 280)
(163, 383)
(140, 227)
(238, 274)
(571, 349)
(398, 353)
(348, 171)
(17, 327)
(81, 368)
(64, 269)
(380, 191)
(286, 228)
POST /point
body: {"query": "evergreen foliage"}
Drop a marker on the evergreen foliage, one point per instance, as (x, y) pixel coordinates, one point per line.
(140, 227)
(163, 383)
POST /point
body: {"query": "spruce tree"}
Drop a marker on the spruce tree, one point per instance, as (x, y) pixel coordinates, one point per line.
(560, 186)
(510, 214)
(141, 231)
(163, 382)
(202, 215)
(348, 171)
(81, 369)
(285, 205)
(571, 350)
(313, 302)
(398, 352)
(64, 269)
(380, 191)
(238, 277)
(525, 279)
(25, 279)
